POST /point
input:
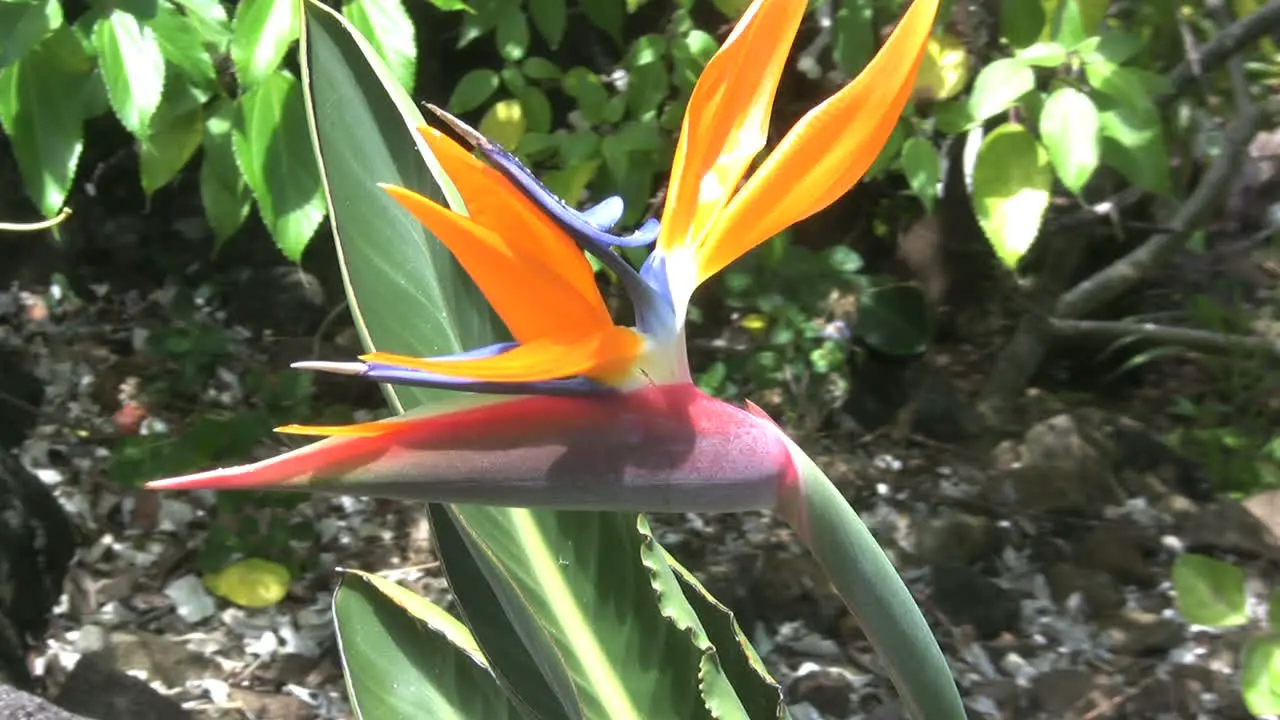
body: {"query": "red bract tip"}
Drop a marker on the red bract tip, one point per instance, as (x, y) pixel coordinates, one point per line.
(667, 448)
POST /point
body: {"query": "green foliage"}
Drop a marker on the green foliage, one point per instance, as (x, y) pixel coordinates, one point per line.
(617, 137)
(186, 78)
(1227, 422)
(1066, 99)
(794, 315)
(1211, 592)
(186, 355)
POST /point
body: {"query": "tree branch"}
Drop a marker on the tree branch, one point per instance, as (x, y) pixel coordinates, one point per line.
(1225, 45)
(1123, 274)
(1202, 340)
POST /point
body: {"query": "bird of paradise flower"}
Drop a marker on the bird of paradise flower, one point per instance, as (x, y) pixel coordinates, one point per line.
(577, 412)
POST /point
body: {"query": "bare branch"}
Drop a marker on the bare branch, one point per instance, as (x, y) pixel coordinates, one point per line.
(1201, 340)
(1123, 274)
(1225, 45)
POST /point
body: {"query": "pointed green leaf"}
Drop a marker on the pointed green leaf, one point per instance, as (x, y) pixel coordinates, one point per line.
(1012, 181)
(473, 90)
(574, 585)
(759, 693)
(855, 36)
(386, 25)
(512, 34)
(405, 657)
(378, 242)
(1043, 54)
(539, 686)
(183, 46)
(1209, 592)
(1260, 675)
(223, 190)
(607, 15)
(41, 109)
(209, 19)
(549, 17)
(23, 25)
(1021, 22)
(175, 135)
(894, 319)
(1069, 127)
(262, 31)
(143, 10)
(133, 68)
(504, 123)
(1133, 143)
(922, 165)
(273, 149)
(998, 87)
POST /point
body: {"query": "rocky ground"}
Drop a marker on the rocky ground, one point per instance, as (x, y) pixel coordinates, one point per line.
(1043, 563)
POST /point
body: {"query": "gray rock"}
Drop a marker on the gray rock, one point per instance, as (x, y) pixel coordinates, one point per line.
(1062, 693)
(98, 689)
(18, 705)
(1120, 551)
(36, 545)
(956, 537)
(968, 598)
(1230, 526)
(1135, 632)
(1101, 593)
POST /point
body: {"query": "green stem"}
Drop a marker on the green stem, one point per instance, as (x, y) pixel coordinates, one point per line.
(874, 592)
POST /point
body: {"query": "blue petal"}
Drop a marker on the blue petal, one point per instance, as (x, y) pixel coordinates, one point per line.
(606, 214)
(571, 386)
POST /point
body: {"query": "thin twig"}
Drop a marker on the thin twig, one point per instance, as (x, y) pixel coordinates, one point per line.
(36, 226)
(1192, 339)
(1227, 44)
(1123, 274)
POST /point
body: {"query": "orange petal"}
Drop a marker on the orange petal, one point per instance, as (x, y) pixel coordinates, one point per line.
(534, 299)
(727, 121)
(606, 356)
(494, 203)
(827, 151)
(369, 429)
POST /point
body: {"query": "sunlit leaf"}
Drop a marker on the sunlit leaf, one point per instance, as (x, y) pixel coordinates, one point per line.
(273, 150)
(1260, 674)
(251, 583)
(184, 47)
(1069, 127)
(998, 86)
(23, 25)
(133, 68)
(1208, 591)
(263, 30)
(504, 123)
(223, 190)
(1012, 180)
(390, 30)
(944, 69)
(176, 131)
(41, 110)
(405, 657)
(922, 165)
